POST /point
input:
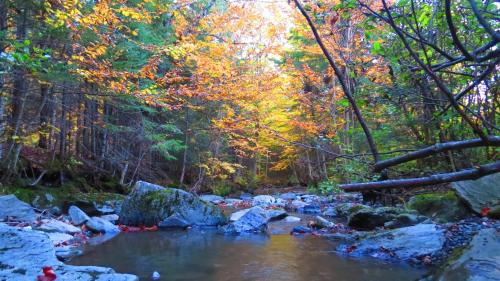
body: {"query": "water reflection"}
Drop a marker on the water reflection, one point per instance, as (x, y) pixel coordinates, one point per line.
(205, 255)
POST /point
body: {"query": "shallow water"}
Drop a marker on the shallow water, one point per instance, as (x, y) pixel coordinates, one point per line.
(205, 255)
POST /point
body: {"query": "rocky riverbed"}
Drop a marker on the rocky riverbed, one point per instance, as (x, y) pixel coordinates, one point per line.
(440, 233)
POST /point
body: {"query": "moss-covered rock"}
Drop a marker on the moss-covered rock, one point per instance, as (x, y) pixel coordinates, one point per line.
(346, 209)
(61, 197)
(441, 207)
(150, 204)
(370, 218)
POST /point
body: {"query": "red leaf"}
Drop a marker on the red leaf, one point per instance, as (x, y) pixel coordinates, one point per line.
(485, 211)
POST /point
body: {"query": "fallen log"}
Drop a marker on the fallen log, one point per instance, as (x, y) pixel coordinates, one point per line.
(469, 174)
(435, 149)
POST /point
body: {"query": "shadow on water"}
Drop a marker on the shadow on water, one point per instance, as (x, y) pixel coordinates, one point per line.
(206, 255)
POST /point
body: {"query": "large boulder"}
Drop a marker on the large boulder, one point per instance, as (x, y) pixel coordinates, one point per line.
(405, 243)
(149, 204)
(479, 262)
(24, 253)
(480, 193)
(441, 207)
(252, 220)
(370, 218)
(11, 207)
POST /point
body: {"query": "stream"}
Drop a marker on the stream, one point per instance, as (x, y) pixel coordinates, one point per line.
(203, 254)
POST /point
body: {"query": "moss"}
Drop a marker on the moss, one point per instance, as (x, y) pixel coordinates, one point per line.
(356, 208)
(43, 197)
(443, 207)
(494, 213)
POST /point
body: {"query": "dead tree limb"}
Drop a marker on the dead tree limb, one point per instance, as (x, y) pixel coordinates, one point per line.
(435, 149)
(470, 174)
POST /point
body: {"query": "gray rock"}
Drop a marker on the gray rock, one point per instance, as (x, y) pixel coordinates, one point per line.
(254, 220)
(370, 218)
(210, 198)
(58, 238)
(77, 216)
(100, 225)
(292, 219)
(346, 209)
(403, 243)
(288, 196)
(404, 220)
(67, 252)
(237, 215)
(174, 221)
(330, 212)
(24, 253)
(111, 218)
(264, 200)
(232, 201)
(297, 204)
(105, 209)
(480, 193)
(149, 204)
(12, 207)
(274, 215)
(479, 262)
(322, 222)
(52, 225)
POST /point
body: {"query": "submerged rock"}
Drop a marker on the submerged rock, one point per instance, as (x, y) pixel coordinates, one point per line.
(11, 207)
(253, 220)
(480, 261)
(480, 193)
(441, 207)
(149, 204)
(77, 216)
(405, 243)
(24, 253)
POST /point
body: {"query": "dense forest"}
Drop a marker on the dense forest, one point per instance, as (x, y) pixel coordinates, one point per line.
(220, 96)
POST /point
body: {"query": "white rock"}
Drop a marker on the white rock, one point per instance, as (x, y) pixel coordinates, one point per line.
(237, 215)
(101, 225)
(52, 225)
(112, 218)
(292, 219)
(58, 238)
(263, 200)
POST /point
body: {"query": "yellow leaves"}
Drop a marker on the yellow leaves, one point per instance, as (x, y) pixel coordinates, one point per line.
(135, 14)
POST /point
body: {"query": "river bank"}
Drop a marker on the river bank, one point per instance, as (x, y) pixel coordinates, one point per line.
(437, 244)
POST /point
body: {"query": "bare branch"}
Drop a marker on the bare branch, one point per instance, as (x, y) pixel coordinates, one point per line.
(435, 149)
